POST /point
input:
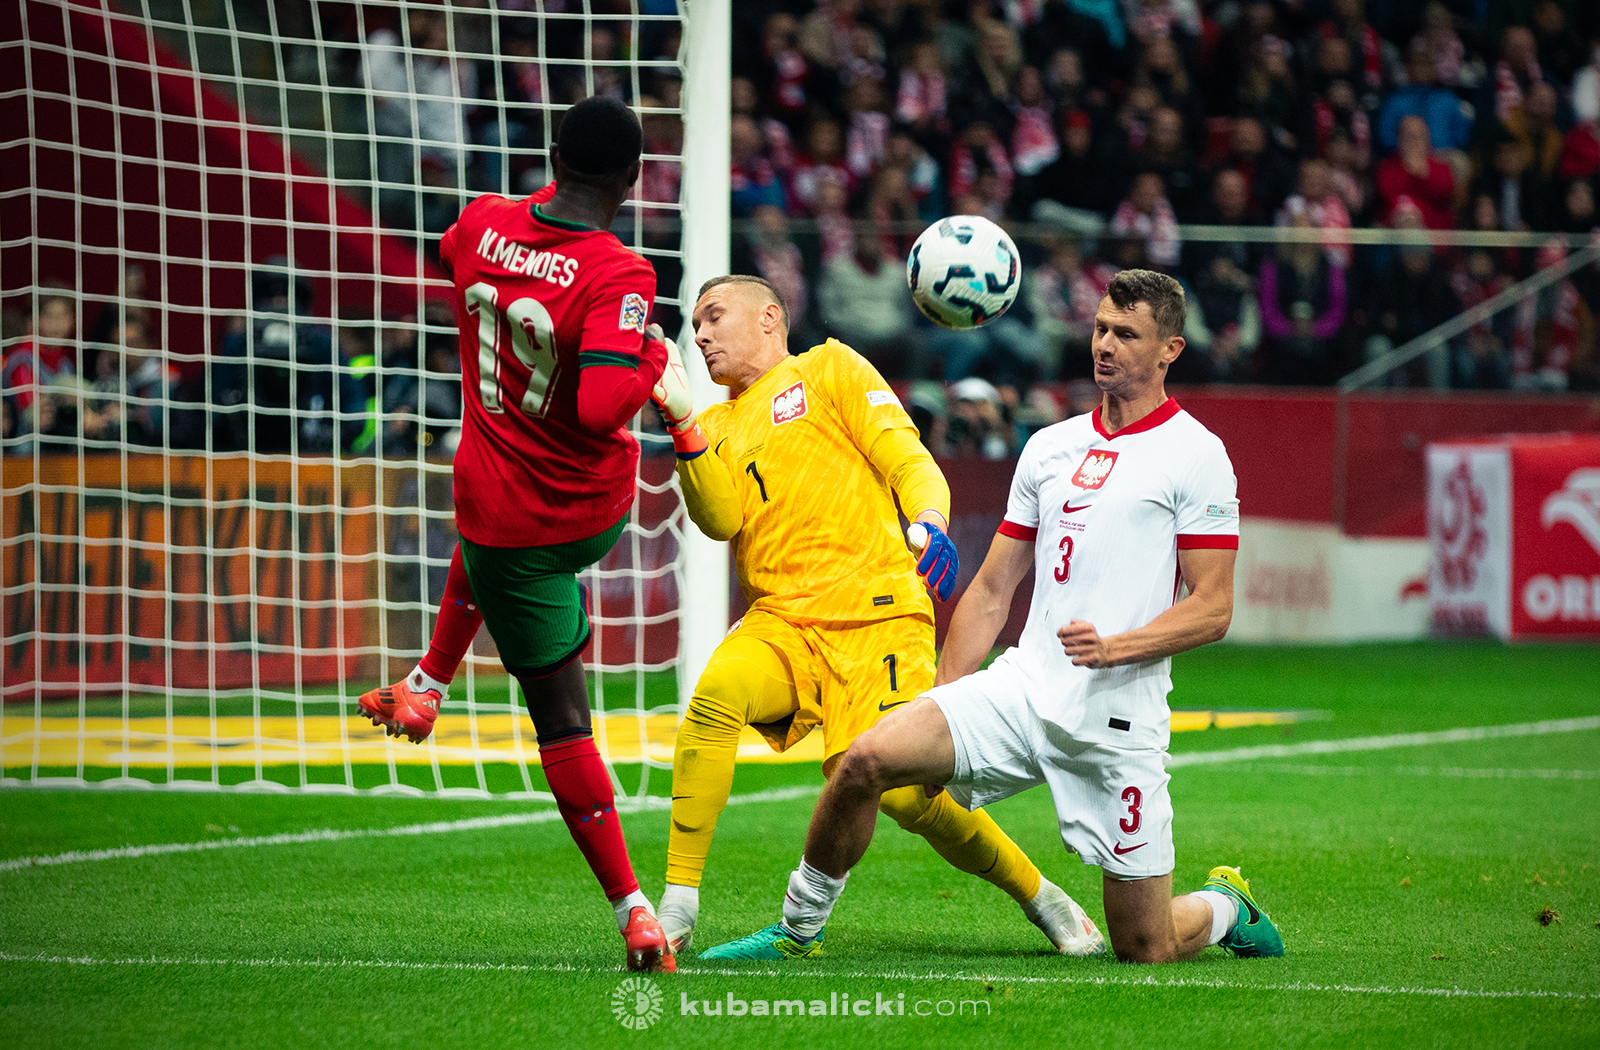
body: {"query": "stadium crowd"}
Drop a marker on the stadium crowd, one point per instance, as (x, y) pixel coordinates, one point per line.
(1096, 130)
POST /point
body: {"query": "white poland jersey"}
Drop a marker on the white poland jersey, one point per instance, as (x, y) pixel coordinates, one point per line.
(1107, 515)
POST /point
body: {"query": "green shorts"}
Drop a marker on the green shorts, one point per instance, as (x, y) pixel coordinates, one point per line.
(531, 602)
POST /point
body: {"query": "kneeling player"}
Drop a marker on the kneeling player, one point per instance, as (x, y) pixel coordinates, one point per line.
(1109, 510)
(801, 471)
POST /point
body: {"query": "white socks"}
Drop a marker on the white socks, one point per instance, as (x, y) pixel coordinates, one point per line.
(1224, 912)
(421, 681)
(680, 907)
(810, 899)
(625, 905)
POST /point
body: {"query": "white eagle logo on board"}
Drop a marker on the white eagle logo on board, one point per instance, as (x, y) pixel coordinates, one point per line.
(789, 404)
(1577, 504)
(1094, 469)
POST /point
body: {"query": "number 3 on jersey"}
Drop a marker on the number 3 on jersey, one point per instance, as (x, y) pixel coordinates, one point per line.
(533, 341)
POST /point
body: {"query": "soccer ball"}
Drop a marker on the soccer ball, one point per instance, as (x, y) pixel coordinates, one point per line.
(963, 272)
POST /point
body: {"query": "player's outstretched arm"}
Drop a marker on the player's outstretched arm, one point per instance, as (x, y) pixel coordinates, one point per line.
(1201, 618)
(708, 492)
(984, 608)
(613, 386)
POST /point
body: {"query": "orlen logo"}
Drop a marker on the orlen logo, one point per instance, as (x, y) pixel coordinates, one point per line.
(1463, 539)
(1571, 597)
(789, 404)
(1094, 469)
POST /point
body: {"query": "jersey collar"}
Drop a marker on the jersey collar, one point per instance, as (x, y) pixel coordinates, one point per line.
(540, 215)
(1166, 411)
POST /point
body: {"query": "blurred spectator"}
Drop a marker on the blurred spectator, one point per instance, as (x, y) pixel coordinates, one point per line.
(1586, 89)
(923, 179)
(1325, 208)
(1033, 138)
(1533, 126)
(1481, 358)
(1146, 213)
(1520, 197)
(1410, 299)
(1269, 89)
(977, 422)
(787, 72)
(1414, 175)
(753, 181)
(823, 159)
(1561, 51)
(1449, 119)
(1063, 293)
(1229, 198)
(418, 91)
(1165, 153)
(1302, 302)
(923, 102)
(1439, 40)
(1516, 72)
(868, 128)
(1554, 330)
(38, 370)
(1267, 177)
(1374, 58)
(863, 302)
(134, 387)
(1222, 326)
(979, 152)
(1076, 185)
(769, 252)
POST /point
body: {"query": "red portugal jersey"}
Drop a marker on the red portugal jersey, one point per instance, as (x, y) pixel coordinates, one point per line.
(533, 291)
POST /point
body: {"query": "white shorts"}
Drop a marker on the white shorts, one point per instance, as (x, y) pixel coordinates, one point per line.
(1112, 804)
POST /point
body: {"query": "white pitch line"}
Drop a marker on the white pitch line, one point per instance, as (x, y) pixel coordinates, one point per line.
(1384, 743)
(436, 827)
(1463, 772)
(1130, 981)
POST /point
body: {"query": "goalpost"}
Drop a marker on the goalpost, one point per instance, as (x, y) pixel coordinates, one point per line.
(225, 503)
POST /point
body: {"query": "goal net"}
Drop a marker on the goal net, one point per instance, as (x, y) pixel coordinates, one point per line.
(232, 390)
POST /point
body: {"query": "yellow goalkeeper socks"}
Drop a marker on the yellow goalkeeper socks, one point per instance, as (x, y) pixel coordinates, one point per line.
(744, 682)
(972, 842)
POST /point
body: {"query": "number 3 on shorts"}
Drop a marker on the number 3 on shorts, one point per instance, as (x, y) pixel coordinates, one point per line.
(1130, 823)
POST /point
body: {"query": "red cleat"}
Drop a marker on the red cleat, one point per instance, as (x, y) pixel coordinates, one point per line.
(402, 710)
(647, 944)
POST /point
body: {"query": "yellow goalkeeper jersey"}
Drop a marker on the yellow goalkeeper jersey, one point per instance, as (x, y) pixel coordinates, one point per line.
(816, 451)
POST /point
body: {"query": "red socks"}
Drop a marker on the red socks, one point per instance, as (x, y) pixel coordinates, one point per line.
(456, 626)
(582, 788)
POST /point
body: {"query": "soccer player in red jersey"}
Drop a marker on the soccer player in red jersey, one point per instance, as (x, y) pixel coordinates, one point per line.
(554, 363)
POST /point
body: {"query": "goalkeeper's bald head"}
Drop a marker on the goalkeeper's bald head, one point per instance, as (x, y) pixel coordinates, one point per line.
(741, 326)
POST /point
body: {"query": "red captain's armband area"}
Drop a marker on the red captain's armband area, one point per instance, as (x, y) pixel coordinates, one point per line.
(1018, 532)
(1201, 542)
(690, 443)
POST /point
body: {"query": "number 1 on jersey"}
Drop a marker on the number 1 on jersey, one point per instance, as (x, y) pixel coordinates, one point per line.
(754, 473)
(533, 340)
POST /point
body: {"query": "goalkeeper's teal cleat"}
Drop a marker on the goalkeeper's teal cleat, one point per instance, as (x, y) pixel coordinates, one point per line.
(1253, 934)
(775, 942)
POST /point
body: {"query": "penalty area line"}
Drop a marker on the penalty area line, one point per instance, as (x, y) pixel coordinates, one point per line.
(433, 827)
(1131, 981)
(1385, 743)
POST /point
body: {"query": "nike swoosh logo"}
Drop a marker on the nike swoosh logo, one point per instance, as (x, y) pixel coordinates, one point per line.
(1068, 508)
(897, 703)
(1119, 851)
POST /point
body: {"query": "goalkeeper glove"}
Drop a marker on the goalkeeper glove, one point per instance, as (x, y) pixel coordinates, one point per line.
(674, 400)
(940, 564)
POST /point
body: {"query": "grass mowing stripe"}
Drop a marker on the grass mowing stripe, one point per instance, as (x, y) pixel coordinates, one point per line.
(1383, 743)
(1465, 772)
(434, 827)
(851, 975)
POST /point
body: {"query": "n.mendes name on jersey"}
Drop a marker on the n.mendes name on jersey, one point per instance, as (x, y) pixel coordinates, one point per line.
(801, 476)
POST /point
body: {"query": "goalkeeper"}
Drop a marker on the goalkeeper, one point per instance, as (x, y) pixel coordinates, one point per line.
(800, 472)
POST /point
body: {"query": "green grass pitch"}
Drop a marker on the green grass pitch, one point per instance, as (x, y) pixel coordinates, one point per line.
(1443, 894)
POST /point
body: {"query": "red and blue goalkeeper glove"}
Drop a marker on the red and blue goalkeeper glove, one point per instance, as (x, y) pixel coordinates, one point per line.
(940, 564)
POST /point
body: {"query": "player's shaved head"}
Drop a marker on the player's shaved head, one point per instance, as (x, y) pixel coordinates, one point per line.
(759, 289)
(741, 327)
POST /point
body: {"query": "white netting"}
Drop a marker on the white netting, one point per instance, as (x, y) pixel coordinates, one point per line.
(230, 385)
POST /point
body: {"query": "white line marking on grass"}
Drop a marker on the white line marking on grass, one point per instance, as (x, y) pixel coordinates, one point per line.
(1465, 772)
(435, 827)
(1384, 743)
(1132, 980)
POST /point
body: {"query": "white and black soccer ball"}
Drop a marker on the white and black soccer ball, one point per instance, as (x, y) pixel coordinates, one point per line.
(964, 272)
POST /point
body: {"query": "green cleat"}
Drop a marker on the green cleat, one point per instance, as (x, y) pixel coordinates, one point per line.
(775, 942)
(1253, 935)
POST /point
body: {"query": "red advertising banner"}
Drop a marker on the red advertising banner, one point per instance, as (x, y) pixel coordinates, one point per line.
(1555, 536)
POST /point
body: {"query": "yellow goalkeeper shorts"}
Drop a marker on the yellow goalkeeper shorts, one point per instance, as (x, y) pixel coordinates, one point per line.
(843, 676)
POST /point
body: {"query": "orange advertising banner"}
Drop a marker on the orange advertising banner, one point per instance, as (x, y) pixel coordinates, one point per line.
(181, 572)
